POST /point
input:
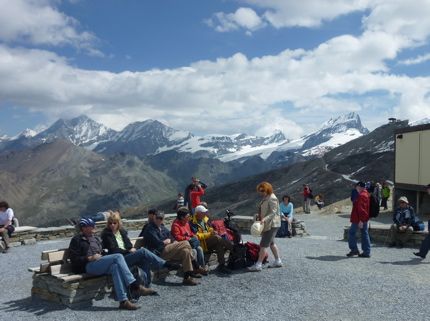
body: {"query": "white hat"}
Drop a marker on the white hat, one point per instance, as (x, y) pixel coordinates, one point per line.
(256, 228)
(403, 199)
(200, 209)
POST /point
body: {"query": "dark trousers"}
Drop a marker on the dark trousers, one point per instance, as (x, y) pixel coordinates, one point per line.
(425, 246)
(384, 203)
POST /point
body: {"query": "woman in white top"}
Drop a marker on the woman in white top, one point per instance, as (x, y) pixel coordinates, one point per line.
(6, 227)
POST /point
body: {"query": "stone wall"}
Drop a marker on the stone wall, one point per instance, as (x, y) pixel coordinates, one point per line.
(379, 234)
(25, 235)
(244, 224)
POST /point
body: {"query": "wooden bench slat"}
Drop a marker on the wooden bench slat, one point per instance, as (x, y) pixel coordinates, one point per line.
(58, 256)
(45, 254)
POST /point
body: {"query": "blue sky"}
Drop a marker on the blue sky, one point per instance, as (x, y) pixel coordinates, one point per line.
(223, 66)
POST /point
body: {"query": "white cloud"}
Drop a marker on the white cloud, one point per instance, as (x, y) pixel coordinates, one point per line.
(233, 94)
(281, 13)
(245, 18)
(415, 61)
(39, 22)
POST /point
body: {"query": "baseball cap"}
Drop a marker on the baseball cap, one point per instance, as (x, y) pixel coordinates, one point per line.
(200, 209)
(83, 222)
(403, 199)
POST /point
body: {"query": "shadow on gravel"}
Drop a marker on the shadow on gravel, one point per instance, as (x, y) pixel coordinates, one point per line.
(39, 307)
(36, 307)
(414, 261)
(328, 258)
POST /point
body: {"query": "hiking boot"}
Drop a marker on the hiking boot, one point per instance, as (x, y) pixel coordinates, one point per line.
(142, 291)
(201, 271)
(352, 253)
(275, 264)
(127, 305)
(419, 255)
(392, 244)
(172, 266)
(255, 268)
(189, 281)
(196, 275)
(364, 255)
(223, 269)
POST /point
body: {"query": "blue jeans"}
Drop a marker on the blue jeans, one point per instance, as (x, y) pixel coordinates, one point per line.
(145, 259)
(365, 239)
(116, 266)
(200, 256)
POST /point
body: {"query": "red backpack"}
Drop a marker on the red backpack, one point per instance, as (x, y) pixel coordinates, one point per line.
(219, 227)
(252, 250)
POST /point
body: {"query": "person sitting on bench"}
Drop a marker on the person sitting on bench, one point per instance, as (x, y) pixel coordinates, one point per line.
(209, 240)
(6, 227)
(181, 231)
(115, 240)
(403, 219)
(159, 241)
(86, 255)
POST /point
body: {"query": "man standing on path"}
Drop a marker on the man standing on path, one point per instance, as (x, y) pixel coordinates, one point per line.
(360, 220)
(425, 244)
(307, 196)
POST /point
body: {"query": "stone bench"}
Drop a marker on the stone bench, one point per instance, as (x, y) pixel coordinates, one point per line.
(54, 280)
(379, 234)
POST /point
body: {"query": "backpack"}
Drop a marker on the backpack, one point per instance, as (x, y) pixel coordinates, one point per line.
(237, 258)
(222, 230)
(252, 251)
(141, 278)
(374, 206)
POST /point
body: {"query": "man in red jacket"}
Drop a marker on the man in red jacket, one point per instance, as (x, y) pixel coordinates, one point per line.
(359, 220)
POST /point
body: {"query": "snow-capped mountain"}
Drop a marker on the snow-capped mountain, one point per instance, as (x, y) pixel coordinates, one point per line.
(26, 133)
(218, 146)
(333, 133)
(81, 131)
(420, 122)
(143, 138)
(151, 137)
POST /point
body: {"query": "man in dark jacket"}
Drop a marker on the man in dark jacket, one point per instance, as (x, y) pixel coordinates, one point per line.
(359, 220)
(86, 256)
(425, 244)
(159, 241)
(151, 218)
(403, 219)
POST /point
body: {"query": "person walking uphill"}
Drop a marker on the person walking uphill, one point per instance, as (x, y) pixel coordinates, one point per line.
(360, 220)
(269, 215)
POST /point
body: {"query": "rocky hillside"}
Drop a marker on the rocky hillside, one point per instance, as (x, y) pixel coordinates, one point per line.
(59, 180)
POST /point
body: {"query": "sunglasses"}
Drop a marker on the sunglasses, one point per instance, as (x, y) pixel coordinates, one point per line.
(113, 223)
(159, 218)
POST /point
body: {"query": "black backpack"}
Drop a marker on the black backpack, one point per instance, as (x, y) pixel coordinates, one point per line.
(374, 206)
(237, 259)
(141, 279)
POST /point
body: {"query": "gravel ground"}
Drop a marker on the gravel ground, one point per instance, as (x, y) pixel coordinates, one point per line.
(317, 283)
